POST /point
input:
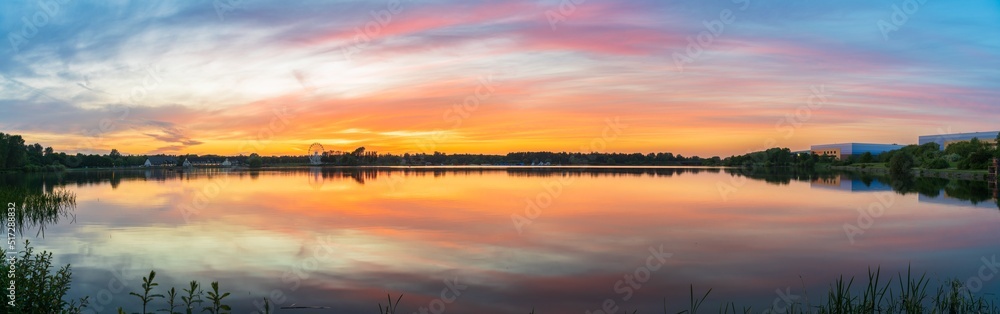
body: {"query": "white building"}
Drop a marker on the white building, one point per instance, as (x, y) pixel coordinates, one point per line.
(160, 161)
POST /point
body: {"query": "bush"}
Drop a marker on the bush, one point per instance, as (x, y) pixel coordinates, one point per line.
(38, 289)
(937, 163)
(866, 158)
(978, 160)
(900, 164)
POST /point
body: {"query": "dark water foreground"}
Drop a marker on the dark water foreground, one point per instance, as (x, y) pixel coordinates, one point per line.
(505, 240)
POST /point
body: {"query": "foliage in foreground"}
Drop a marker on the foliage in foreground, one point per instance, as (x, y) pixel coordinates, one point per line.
(42, 290)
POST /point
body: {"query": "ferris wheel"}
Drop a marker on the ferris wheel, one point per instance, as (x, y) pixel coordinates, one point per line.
(316, 153)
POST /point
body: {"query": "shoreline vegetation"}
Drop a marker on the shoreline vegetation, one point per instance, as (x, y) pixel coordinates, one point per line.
(959, 160)
(43, 289)
(881, 169)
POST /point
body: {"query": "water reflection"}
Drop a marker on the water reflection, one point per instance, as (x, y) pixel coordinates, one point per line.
(847, 183)
(934, 190)
(406, 230)
(783, 176)
(36, 208)
(361, 175)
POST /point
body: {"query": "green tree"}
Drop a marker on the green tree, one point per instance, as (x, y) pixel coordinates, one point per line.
(866, 158)
(3, 150)
(900, 164)
(255, 161)
(963, 148)
(937, 163)
(16, 152)
(996, 147)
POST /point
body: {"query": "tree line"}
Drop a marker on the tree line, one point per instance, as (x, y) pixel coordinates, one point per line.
(16, 155)
(361, 157)
(974, 154)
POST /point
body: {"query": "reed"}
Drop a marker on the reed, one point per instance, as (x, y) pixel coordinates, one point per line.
(390, 308)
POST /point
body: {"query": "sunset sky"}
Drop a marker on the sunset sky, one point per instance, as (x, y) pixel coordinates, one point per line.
(715, 77)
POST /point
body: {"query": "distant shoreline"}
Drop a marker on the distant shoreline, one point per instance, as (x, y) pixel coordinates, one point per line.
(412, 167)
(972, 175)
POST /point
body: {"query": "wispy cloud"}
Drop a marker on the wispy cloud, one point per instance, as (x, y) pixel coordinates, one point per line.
(217, 82)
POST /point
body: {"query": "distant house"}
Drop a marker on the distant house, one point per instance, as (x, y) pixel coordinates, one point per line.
(201, 162)
(226, 163)
(160, 161)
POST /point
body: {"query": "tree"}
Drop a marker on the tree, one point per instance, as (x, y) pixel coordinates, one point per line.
(936, 163)
(15, 152)
(900, 164)
(963, 148)
(866, 158)
(255, 161)
(3, 150)
(996, 148)
(114, 154)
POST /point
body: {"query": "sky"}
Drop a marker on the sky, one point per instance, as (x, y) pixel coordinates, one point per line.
(714, 77)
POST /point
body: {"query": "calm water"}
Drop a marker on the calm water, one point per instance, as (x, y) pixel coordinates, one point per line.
(556, 240)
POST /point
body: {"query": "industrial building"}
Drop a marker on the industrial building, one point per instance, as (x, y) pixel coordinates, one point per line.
(944, 139)
(844, 150)
(846, 183)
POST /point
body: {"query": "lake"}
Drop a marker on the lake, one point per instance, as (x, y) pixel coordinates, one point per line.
(509, 240)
